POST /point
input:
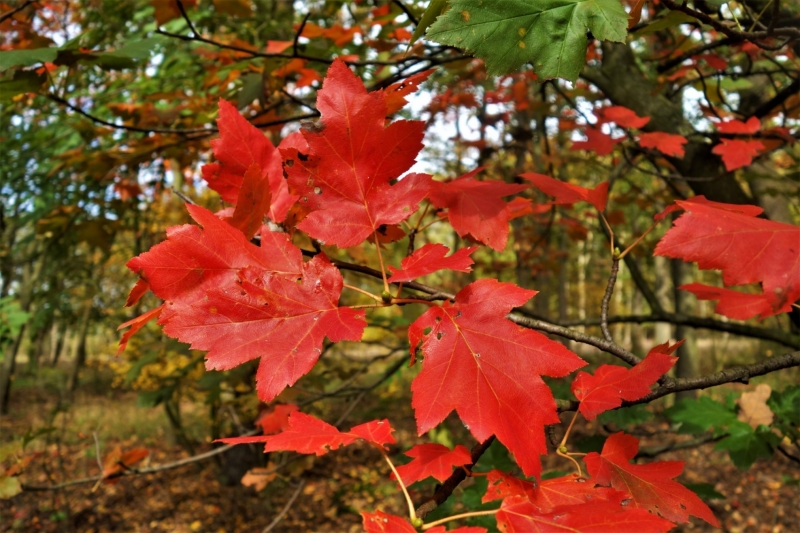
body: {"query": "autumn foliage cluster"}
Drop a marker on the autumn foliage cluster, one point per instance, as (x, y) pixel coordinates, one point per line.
(241, 290)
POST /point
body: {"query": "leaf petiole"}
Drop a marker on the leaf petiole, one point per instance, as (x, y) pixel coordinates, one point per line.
(362, 291)
(458, 517)
(412, 513)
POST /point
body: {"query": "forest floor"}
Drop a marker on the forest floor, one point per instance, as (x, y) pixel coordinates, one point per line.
(336, 488)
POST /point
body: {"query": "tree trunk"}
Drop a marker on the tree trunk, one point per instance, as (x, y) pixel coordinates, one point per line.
(80, 351)
(688, 365)
(663, 330)
(7, 371)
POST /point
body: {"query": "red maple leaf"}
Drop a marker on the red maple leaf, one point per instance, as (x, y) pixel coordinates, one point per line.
(117, 461)
(239, 146)
(566, 193)
(432, 460)
(489, 370)
(745, 209)
(518, 515)
(138, 290)
(519, 207)
(622, 116)
(240, 302)
(501, 485)
(747, 249)
(380, 522)
(376, 432)
(343, 182)
(735, 304)
(276, 419)
(307, 434)
(136, 324)
(396, 93)
(736, 153)
(611, 384)
(597, 141)
(571, 490)
(431, 258)
(650, 486)
(193, 258)
(252, 204)
(476, 208)
(752, 125)
(666, 143)
(281, 321)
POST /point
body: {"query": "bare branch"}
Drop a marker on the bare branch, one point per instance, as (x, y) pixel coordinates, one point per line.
(745, 330)
(460, 474)
(138, 472)
(407, 11)
(277, 519)
(9, 14)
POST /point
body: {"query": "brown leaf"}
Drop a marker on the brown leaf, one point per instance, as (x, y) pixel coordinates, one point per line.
(753, 406)
(259, 478)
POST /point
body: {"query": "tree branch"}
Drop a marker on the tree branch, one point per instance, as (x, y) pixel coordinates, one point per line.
(752, 36)
(737, 374)
(137, 472)
(745, 330)
(9, 14)
(460, 474)
(527, 321)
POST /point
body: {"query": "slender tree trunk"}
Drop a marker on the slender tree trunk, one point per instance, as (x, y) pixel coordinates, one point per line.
(688, 365)
(7, 371)
(37, 348)
(80, 351)
(663, 330)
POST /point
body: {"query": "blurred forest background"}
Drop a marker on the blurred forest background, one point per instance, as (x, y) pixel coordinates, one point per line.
(106, 115)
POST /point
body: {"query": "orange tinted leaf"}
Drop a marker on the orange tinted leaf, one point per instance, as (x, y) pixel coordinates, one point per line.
(737, 126)
(136, 324)
(622, 116)
(277, 419)
(566, 193)
(276, 47)
(431, 258)
(736, 153)
(118, 461)
(665, 143)
(598, 142)
(396, 93)
(650, 486)
(380, 522)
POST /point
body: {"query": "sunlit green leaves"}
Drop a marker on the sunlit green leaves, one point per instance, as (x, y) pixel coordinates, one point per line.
(701, 414)
(26, 58)
(550, 34)
(745, 445)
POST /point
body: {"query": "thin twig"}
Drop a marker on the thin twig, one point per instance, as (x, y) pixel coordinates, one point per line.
(286, 507)
(612, 279)
(134, 472)
(460, 474)
(9, 14)
(407, 11)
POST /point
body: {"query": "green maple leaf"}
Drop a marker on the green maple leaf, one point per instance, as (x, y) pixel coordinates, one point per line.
(551, 34)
